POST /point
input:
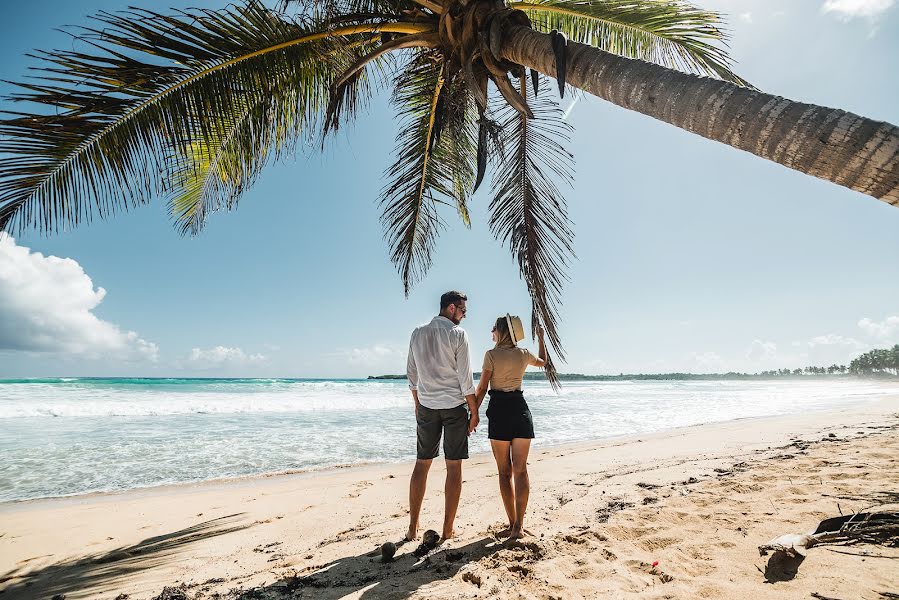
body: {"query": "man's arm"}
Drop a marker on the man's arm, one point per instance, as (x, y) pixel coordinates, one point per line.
(466, 381)
(473, 418)
(412, 376)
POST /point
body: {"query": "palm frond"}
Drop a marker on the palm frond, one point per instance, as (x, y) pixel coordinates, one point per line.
(436, 157)
(529, 214)
(339, 10)
(672, 33)
(117, 117)
(213, 173)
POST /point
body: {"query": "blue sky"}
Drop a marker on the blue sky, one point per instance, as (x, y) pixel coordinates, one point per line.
(692, 256)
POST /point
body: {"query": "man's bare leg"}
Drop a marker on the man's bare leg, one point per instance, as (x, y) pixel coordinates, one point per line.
(453, 491)
(417, 486)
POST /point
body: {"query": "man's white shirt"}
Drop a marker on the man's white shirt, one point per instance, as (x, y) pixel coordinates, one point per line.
(439, 365)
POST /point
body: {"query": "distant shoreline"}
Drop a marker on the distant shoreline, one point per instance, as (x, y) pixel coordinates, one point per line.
(538, 375)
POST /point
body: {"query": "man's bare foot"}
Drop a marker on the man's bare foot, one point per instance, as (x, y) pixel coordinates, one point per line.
(411, 535)
(516, 533)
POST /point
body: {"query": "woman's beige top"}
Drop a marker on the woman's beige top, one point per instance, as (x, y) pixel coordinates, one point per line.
(507, 366)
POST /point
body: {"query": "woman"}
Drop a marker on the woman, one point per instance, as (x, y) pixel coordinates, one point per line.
(510, 426)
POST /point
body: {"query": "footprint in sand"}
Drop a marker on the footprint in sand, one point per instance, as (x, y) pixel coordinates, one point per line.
(359, 487)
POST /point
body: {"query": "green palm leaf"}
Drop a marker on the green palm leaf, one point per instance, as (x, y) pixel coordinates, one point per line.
(672, 33)
(213, 173)
(436, 154)
(529, 214)
(145, 100)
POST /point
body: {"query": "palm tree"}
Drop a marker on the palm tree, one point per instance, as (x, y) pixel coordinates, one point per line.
(193, 104)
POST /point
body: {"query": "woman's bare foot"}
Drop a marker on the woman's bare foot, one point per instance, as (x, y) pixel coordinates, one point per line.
(411, 535)
(505, 532)
(516, 533)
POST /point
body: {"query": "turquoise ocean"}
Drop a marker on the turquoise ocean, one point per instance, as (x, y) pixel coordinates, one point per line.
(69, 436)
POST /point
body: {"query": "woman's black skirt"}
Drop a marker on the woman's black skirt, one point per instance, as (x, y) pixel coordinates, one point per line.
(508, 416)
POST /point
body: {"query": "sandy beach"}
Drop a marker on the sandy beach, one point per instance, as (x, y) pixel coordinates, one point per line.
(696, 502)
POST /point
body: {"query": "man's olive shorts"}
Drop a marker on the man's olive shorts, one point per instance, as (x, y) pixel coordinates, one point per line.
(452, 423)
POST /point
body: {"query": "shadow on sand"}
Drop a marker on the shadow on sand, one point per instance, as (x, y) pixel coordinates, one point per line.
(368, 574)
(102, 572)
(782, 567)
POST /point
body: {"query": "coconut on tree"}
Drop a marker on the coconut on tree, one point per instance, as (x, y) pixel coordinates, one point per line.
(192, 105)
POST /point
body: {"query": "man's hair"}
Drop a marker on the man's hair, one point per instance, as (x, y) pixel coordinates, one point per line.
(452, 297)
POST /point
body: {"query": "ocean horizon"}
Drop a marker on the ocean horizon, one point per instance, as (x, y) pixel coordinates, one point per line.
(66, 436)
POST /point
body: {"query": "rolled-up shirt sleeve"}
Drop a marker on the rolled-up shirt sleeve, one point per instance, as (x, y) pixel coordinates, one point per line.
(463, 366)
(412, 368)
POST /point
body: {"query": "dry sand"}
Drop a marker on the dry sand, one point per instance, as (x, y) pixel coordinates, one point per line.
(698, 500)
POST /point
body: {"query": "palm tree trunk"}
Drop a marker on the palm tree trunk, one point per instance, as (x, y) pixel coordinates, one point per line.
(852, 151)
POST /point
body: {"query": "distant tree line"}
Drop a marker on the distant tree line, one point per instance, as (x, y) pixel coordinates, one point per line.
(831, 370)
(877, 362)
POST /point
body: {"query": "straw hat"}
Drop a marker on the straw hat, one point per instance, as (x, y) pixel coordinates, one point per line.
(516, 329)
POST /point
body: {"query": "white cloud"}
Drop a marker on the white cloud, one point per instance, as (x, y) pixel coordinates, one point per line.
(377, 359)
(882, 330)
(746, 17)
(704, 362)
(372, 354)
(850, 9)
(761, 351)
(832, 339)
(222, 356)
(46, 305)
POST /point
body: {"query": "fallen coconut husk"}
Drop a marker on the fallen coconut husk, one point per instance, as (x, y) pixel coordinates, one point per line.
(868, 527)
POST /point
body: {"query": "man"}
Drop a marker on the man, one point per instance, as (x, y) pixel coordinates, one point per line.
(439, 371)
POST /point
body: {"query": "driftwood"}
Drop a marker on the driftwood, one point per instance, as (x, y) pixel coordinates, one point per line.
(867, 527)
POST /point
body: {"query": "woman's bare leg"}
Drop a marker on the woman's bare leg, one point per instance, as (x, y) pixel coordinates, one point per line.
(520, 449)
(504, 468)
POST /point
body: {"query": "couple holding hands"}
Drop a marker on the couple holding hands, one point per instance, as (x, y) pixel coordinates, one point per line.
(447, 405)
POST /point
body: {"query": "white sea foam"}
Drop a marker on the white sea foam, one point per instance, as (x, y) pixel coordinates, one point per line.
(52, 400)
(70, 437)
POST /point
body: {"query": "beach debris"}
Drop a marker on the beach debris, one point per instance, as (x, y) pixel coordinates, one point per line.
(429, 541)
(173, 593)
(603, 514)
(866, 527)
(388, 549)
(792, 544)
(431, 537)
(472, 578)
